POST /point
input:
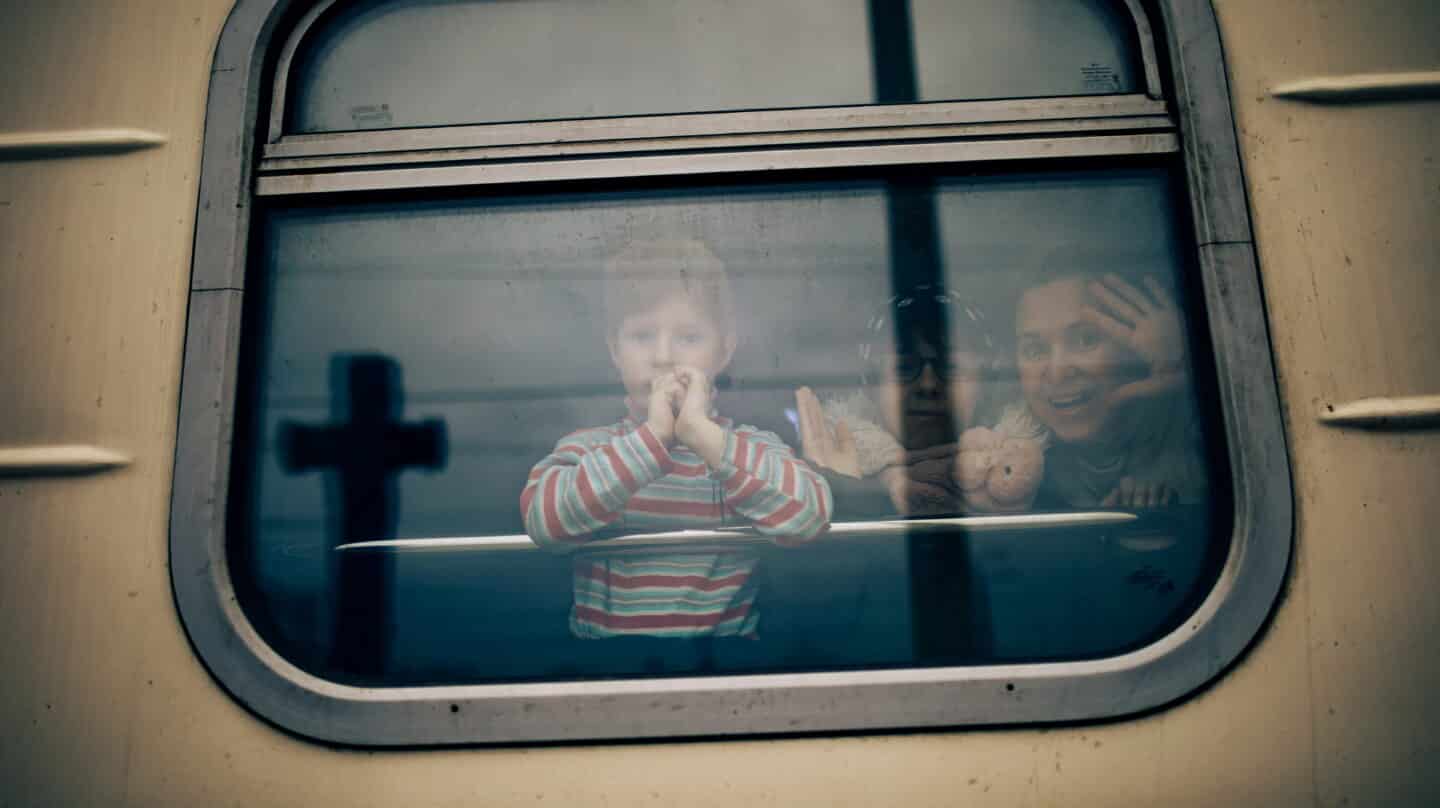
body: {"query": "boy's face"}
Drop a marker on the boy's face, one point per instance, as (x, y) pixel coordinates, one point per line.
(925, 399)
(672, 333)
(1068, 364)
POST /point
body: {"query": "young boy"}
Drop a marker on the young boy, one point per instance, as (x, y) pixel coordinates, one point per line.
(671, 464)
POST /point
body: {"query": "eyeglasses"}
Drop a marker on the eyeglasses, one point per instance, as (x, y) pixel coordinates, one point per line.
(906, 368)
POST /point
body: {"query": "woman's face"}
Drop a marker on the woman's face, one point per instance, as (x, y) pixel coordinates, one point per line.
(1068, 365)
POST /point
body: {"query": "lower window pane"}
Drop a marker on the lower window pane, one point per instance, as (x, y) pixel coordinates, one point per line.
(919, 420)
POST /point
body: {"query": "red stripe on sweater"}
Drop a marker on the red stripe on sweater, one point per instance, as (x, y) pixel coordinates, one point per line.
(665, 507)
(783, 514)
(742, 450)
(819, 498)
(553, 525)
(657, 449)
(590, 499)
(656, 621)
(749, 487)
(626, 478)
(699, 583)
(735, 481)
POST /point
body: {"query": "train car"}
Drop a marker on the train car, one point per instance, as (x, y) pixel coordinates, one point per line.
(1078, 352)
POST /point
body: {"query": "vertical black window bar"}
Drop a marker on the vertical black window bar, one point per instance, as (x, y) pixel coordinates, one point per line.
(948, 620)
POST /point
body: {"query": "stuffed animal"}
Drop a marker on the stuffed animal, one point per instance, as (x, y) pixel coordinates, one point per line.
(992, 469)
(998, 471)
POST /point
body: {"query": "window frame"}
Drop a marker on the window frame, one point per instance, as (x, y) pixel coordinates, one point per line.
(240, 162)
(276, 134)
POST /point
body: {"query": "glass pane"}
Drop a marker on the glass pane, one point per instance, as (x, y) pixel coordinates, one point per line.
(973, 49)
(415, 367)
(379, 65)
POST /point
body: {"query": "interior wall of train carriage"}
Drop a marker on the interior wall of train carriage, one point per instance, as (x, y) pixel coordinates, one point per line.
(103, 701)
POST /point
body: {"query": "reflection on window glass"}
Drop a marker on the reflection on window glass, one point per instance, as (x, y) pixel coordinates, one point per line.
(524, 384)
(378, 65)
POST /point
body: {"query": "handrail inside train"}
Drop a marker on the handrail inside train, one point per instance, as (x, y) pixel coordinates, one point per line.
(744, 535)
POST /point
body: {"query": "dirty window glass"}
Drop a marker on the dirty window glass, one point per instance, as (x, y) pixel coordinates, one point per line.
(378, 65)
(887, 353)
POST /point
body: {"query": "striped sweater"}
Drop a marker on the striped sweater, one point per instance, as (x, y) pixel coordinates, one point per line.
(623, 476)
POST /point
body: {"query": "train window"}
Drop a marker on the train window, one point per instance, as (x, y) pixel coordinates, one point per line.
(913, 407)
(381, 65)
(487, 320)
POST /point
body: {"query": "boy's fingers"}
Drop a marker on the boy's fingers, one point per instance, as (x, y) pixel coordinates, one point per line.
(690, 376)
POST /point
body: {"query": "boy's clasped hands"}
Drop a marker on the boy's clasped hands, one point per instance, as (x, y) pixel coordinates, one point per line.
(679, 410)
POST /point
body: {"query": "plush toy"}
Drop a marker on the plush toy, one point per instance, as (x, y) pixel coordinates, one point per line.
(999, 470)
(992, 470)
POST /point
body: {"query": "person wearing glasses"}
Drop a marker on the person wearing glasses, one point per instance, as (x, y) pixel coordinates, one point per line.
(911, 431)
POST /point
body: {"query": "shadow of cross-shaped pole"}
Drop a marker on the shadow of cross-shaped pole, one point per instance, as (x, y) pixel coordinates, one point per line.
(363, 451)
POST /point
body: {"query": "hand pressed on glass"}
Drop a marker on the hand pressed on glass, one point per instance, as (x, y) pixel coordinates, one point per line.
(829, 447)
(1134, 493)
(1148, 323)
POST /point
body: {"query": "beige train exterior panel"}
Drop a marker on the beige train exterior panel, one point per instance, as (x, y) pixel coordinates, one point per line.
(103, 701)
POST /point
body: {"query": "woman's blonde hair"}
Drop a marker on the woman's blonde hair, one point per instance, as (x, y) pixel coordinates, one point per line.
(645, 273)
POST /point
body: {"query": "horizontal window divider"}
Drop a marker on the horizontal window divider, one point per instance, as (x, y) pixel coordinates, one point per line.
(733, 537)
(1054, 128)
(719, 123)
(716, 162)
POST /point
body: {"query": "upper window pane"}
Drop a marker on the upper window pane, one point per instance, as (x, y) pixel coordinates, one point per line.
(381, 65)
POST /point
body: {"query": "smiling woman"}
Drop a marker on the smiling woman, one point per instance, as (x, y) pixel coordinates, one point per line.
(1102, 365)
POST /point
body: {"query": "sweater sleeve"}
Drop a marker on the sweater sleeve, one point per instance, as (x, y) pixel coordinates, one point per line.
(585, 483)
(766, 483)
